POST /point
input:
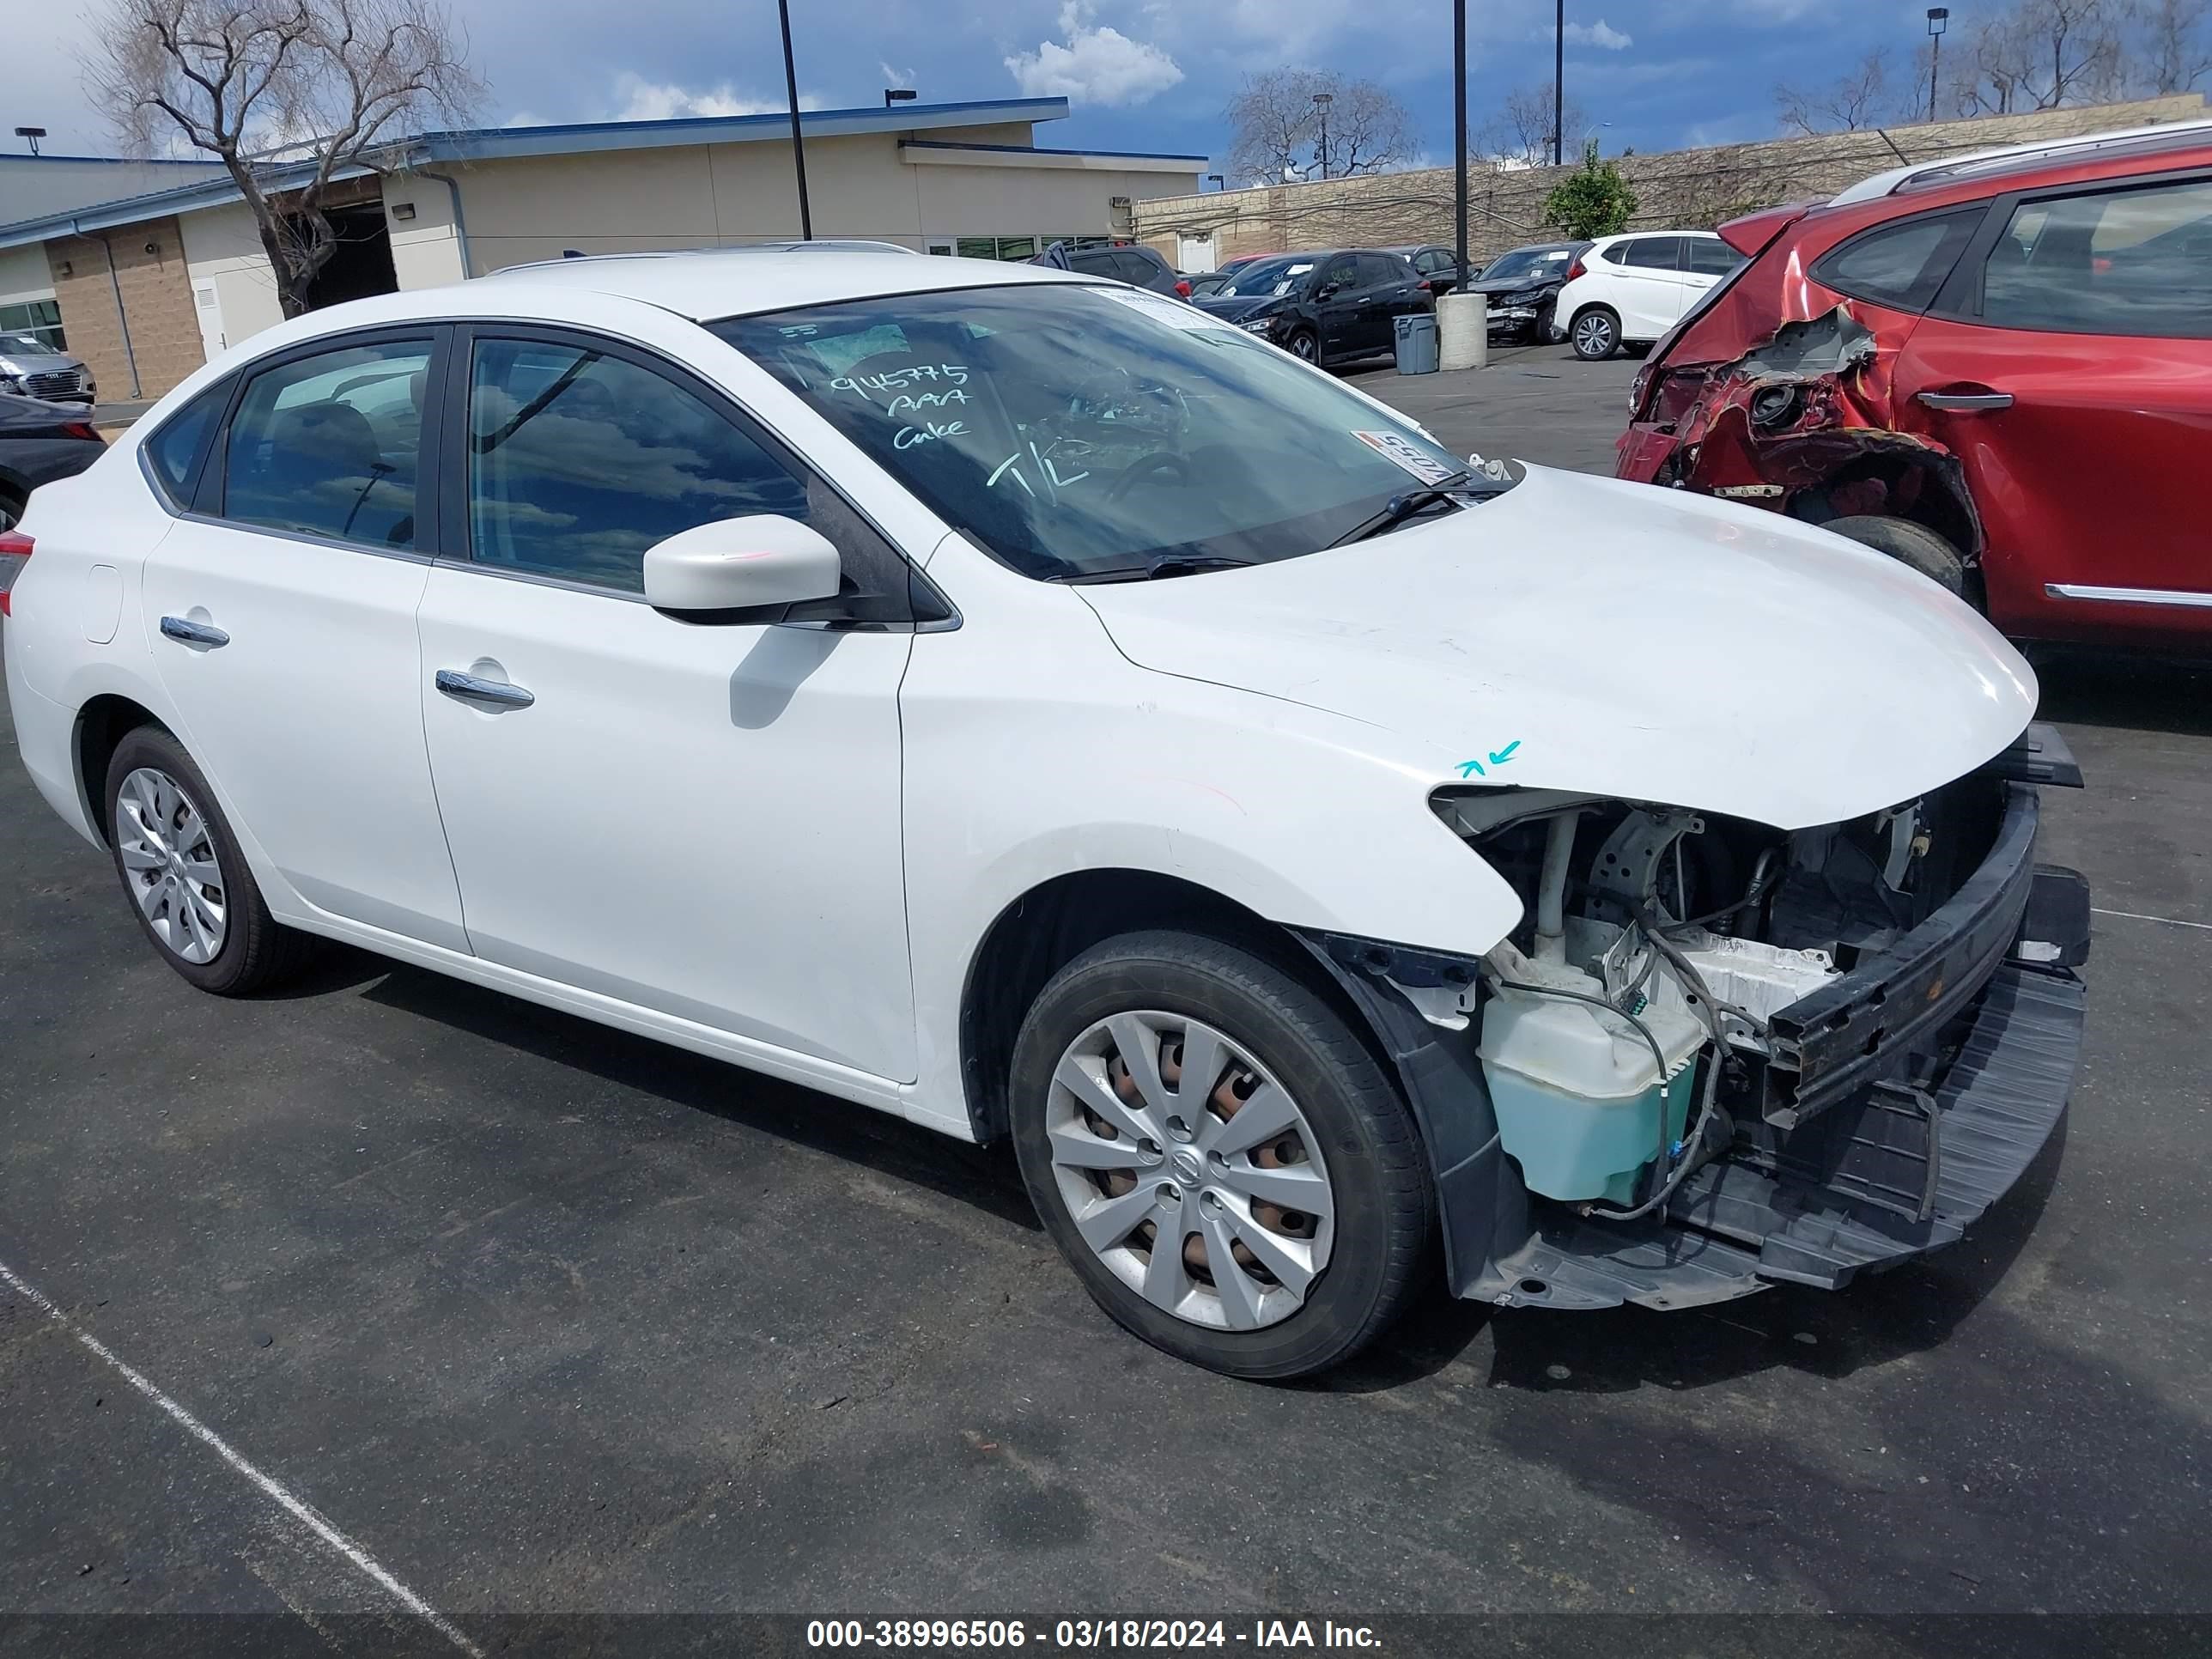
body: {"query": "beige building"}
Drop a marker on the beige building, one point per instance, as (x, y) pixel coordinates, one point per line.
(145, 288)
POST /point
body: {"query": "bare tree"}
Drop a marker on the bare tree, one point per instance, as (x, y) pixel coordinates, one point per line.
(286, 93)
(1520, 133)
(1862, 97)
(2042, 54)
(1275, 127)
(2173, 49)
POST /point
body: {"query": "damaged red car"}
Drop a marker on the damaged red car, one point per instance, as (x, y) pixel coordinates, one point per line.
(1996, 369)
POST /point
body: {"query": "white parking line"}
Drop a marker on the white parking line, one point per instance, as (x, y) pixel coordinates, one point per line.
(284, 1500)
(2165, 922)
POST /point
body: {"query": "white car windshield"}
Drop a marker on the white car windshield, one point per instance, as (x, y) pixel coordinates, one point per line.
(1081, 432)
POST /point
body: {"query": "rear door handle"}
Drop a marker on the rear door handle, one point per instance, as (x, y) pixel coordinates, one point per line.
(1967, 402)
(192, 633)
(470, 689)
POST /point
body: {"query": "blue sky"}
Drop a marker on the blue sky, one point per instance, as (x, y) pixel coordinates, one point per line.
(1149, 75)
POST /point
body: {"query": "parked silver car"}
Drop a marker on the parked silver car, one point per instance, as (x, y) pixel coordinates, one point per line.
(31, 368)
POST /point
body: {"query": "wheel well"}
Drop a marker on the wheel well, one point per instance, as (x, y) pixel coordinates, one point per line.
(1055, 922)
(102, 725)
(1911, 487)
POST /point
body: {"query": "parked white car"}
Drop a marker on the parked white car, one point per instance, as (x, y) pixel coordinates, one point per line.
(1033, 707)
(1630, 289)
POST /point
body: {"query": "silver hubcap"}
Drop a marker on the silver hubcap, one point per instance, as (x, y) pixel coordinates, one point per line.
(169, 863)
(1190, 1171)
(1593, 333)
(1302, 344)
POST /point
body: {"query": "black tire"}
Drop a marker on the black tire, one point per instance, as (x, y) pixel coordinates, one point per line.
(256, 951)
(1909, 544)
(1595, 334)
(1305, 344)
(1377, 1167)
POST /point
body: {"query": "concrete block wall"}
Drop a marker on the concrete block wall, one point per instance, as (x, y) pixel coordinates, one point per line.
(1692, 189)
(157, 298)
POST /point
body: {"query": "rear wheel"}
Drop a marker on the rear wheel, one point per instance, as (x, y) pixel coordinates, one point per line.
(1220, 1158)
(184, 875)
(1596, 333)
(1909, 544)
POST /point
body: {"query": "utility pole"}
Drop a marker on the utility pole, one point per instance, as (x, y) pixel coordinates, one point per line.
(1939, 18)
(798, 144)
(1459, 138)
(1558, 82)
(1322, 101)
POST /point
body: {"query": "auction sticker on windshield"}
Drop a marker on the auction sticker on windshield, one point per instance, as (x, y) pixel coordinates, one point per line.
(1174, 313)
(1393, 447)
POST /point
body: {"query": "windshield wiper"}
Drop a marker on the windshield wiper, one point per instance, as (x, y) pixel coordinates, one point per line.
(1404, 506)
(1174, 564)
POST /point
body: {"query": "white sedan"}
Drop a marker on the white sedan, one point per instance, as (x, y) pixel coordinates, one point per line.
(1021, 703)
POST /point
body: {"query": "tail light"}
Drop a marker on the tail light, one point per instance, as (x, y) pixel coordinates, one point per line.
(81, 429)
(1576, 269)
(1183, 287)
(1425, 286)
(14, 552)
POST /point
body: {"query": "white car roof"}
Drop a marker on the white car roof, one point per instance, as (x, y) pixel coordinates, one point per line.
(713, 283)
(1656, 230)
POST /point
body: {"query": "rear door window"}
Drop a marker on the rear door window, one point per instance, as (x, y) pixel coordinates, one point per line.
(2130, 261)
(1900, 264)
(1651, 253)
(326, 445)
(1382, 270)
(175, 450)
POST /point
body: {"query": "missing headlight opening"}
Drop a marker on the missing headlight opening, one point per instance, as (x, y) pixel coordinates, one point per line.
(1627, 1029)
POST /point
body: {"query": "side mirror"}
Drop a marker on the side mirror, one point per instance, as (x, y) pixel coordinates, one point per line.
(758, 561)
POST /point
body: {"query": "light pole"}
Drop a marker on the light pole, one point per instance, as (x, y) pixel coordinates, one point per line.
(1939, 18)
(1459, 143)
(1322, 101)
(31, 135)
(1558, 82)
(798, 144)
(899, 95)
(1217, 181)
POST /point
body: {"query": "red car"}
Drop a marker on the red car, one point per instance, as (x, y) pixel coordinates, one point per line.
(1996, 368)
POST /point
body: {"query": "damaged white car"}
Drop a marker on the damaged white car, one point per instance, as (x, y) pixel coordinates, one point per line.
(1025, 705)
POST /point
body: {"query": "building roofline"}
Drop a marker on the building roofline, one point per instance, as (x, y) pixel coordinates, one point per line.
(493, 143)
(119, 160)
(1038, 149)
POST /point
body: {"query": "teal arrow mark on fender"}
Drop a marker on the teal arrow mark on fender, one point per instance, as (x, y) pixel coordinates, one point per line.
(1500, 757)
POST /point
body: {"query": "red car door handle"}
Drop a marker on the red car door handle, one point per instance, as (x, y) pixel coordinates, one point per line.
(1967, 402)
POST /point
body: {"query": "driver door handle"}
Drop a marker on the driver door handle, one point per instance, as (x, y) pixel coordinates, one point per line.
(1967, 402)
(469, 689)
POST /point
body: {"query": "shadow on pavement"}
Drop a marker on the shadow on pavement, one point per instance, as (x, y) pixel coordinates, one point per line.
(983, 1177)
(2138, 694)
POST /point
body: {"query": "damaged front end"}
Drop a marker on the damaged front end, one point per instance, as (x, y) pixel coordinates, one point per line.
(1802, 424)
(1715, 1056)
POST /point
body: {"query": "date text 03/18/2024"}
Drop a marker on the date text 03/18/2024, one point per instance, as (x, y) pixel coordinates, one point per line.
(1086, 1634)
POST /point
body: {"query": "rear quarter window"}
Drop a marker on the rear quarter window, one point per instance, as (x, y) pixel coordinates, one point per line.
(176, 451)
(1902, 265)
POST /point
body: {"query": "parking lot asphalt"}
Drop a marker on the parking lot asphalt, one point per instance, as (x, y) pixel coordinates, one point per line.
(535, 1316)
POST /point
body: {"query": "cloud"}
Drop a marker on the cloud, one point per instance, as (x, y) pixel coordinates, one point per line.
(1600, 34)
(1098, 65)
(637, 99)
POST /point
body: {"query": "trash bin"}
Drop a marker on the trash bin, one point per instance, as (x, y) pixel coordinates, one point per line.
(1416, 343)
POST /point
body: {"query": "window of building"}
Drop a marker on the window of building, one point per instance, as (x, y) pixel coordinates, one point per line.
(40, 318)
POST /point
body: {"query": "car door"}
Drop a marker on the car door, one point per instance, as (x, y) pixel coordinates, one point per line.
(1336, 305)
(1706, 261)
(1648, 278)
(281, 611)
(1388, 291)
(697, 817)
(2066, 364)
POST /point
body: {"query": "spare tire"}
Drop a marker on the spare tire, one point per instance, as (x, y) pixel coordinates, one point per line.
(1909, 544)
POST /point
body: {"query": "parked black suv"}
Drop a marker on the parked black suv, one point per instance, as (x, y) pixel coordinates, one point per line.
(1521, 283)
(1328, 307)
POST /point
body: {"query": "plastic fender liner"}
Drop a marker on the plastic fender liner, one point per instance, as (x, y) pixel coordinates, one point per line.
(1482, 1204)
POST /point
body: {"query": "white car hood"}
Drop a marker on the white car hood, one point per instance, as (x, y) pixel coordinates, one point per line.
(1615, 640)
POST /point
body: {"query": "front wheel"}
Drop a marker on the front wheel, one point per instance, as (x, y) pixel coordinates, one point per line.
(1216, 1153)
(184, 875)
(1305, 346)
(1595, 334)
